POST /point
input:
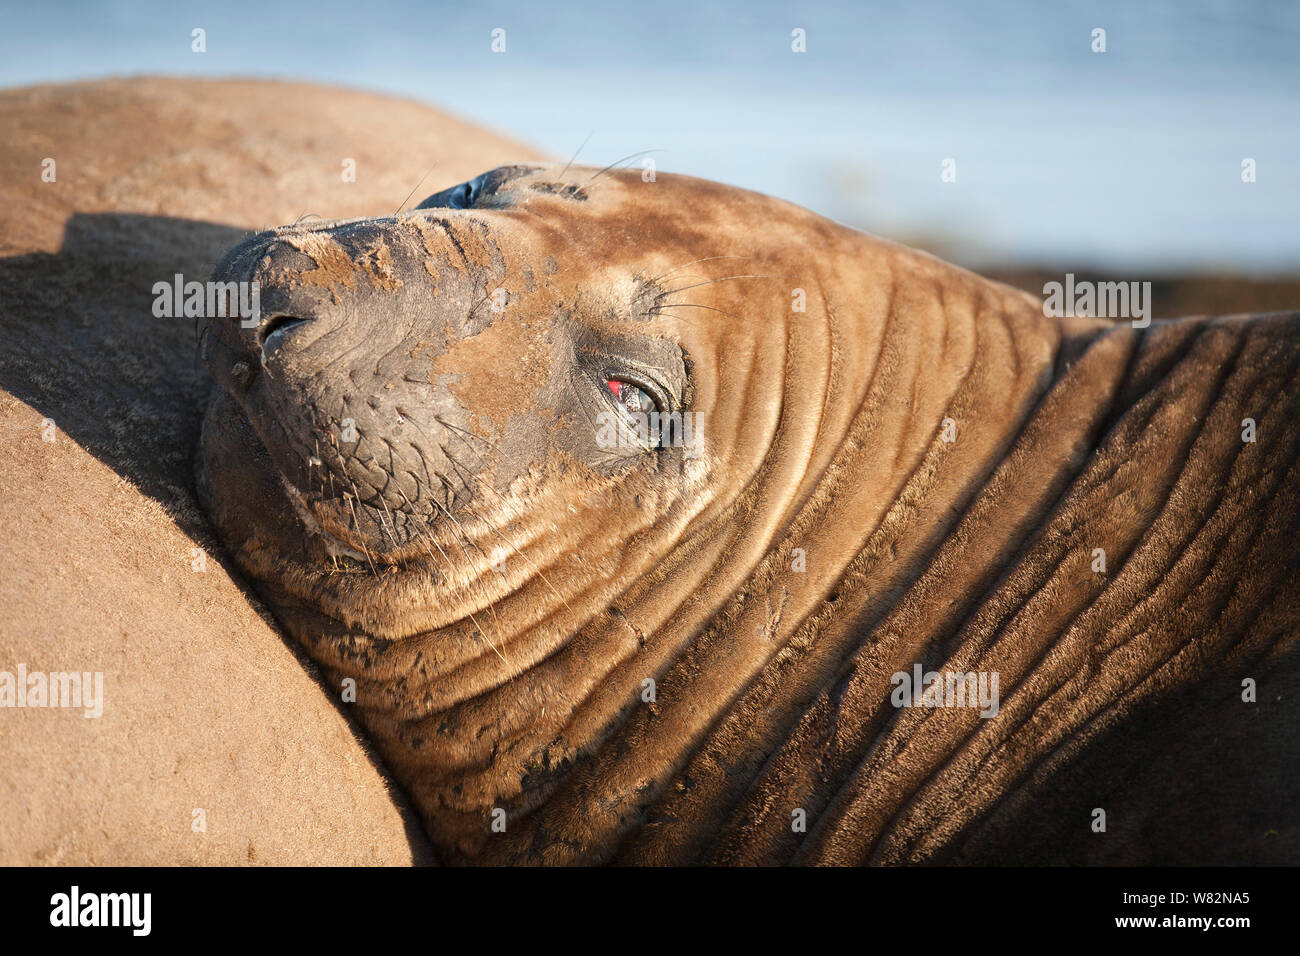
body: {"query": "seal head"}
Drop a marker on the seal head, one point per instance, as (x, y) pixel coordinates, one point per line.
(504, 456)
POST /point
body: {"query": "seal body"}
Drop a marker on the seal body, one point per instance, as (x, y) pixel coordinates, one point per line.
(633, 518)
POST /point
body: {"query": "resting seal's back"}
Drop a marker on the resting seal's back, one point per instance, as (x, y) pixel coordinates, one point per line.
(575, 639)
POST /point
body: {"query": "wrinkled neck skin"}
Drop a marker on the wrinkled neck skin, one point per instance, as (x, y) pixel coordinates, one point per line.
(504, 662)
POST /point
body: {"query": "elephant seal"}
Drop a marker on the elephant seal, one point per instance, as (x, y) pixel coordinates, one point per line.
(578, 639)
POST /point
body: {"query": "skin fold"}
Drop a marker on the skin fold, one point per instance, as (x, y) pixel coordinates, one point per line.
(892, 462)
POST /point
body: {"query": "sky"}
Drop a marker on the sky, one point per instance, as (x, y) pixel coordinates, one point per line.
(1128, 159)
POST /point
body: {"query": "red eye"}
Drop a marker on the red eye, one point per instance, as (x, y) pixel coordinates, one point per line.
(631, 398)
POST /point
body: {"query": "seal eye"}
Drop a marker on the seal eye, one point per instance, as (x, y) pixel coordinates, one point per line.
(631, 398)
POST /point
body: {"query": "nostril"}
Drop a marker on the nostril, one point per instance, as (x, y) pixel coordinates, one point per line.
(276, 325)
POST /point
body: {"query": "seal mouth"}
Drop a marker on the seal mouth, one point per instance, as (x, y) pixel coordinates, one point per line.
(334, 545)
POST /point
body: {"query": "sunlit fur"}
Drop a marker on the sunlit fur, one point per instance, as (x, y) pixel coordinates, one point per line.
(520, 686)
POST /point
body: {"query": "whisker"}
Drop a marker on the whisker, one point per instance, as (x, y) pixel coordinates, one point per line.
(450, 568)
(491, 604)
(693, 262)
(456, 428)
(466, 473)
(532, 566)
(575, 155)
(417, 186)
(461, 538)
(658, 310)
(392, 535)
(357, 523)
(470, 313)
(318, 462)
(616, 162)
(488, 639)
(425, 532)
(708, 282)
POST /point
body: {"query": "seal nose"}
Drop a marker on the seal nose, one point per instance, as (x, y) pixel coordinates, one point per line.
(274, 330)
(286, 305)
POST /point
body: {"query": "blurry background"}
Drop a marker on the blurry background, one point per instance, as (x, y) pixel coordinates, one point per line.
(1123, 164)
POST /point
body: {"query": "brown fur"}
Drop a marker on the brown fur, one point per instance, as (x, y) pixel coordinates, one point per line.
(522, 690)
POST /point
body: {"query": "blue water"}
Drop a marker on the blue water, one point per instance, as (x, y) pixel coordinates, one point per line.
(1127, 160)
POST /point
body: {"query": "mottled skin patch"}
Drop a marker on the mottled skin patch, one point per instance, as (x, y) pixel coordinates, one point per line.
(500, 585)
(333, 266)
(497, 391)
